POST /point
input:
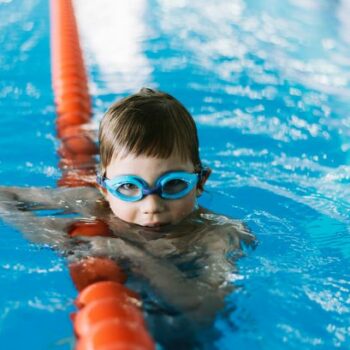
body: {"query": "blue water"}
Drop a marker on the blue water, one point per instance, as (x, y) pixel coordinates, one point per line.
(268, 83)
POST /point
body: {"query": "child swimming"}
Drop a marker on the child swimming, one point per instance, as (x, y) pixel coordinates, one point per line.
(149, 179)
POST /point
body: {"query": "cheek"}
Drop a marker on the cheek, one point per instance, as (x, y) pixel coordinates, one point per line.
(120, 209)
(182, 207)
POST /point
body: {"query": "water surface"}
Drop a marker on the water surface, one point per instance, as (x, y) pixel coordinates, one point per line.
(268, 85)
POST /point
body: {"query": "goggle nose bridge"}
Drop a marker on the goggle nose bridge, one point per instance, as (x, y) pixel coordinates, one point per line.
(148, 191)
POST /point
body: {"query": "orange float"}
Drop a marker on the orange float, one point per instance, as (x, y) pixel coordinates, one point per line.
(112, 334)
(106, 309)
(72, 130)
(67, 95)
(89, 228)
(79, 144)
(75, 105)
(105, 290)
(91, 270)
(71, 119)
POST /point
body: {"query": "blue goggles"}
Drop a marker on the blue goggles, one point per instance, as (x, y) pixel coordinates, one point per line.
(132, 188)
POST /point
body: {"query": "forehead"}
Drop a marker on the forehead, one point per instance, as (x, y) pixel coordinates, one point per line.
(147, 167)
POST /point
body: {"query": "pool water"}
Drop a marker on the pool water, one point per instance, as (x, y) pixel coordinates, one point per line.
(268, 83)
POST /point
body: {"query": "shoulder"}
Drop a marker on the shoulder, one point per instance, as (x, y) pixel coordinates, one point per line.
(224, 227)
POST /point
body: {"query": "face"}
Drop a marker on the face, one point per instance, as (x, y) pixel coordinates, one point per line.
(152, 210)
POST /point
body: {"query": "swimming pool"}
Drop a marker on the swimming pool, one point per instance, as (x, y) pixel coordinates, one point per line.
(268, 84)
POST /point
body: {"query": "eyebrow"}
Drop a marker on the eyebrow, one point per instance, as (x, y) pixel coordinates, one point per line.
(165, 172)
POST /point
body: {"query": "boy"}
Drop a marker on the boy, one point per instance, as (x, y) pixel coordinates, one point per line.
(149, 179)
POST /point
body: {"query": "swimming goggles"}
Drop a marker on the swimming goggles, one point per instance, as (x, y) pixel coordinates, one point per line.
(132, 188)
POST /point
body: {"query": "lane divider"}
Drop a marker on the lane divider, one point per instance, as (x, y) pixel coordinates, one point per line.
(72, 99)
(109, 315)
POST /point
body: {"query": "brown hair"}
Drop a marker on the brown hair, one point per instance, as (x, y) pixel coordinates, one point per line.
(150, 123)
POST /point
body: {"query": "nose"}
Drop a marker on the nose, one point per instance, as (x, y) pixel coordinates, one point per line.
(152, 204)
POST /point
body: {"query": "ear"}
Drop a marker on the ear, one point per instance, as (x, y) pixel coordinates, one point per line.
(203, 180)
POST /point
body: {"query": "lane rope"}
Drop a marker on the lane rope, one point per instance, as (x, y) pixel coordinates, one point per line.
(109, 315)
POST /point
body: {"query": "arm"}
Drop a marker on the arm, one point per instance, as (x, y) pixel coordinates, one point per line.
(20, 207)
(190, 297)
(223, 244)
(61, 197)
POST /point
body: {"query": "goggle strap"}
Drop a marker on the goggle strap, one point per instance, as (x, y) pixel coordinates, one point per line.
(100, 180)
(202, 173)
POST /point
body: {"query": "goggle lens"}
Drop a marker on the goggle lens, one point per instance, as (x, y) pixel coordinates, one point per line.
(129, 190)
(174, 186)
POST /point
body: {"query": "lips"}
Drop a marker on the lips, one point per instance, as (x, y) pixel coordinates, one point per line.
(155, 224)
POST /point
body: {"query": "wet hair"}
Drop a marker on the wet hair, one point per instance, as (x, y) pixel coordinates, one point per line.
(149, 123)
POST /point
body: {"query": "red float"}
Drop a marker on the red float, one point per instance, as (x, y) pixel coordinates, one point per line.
(106, 289)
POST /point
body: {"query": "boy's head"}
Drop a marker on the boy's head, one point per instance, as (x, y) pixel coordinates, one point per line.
(148, 123)
(149, 134)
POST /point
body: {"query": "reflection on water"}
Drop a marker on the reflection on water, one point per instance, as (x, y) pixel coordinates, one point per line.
(114, 43)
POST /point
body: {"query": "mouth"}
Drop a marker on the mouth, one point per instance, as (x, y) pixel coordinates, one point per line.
(155, 225)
